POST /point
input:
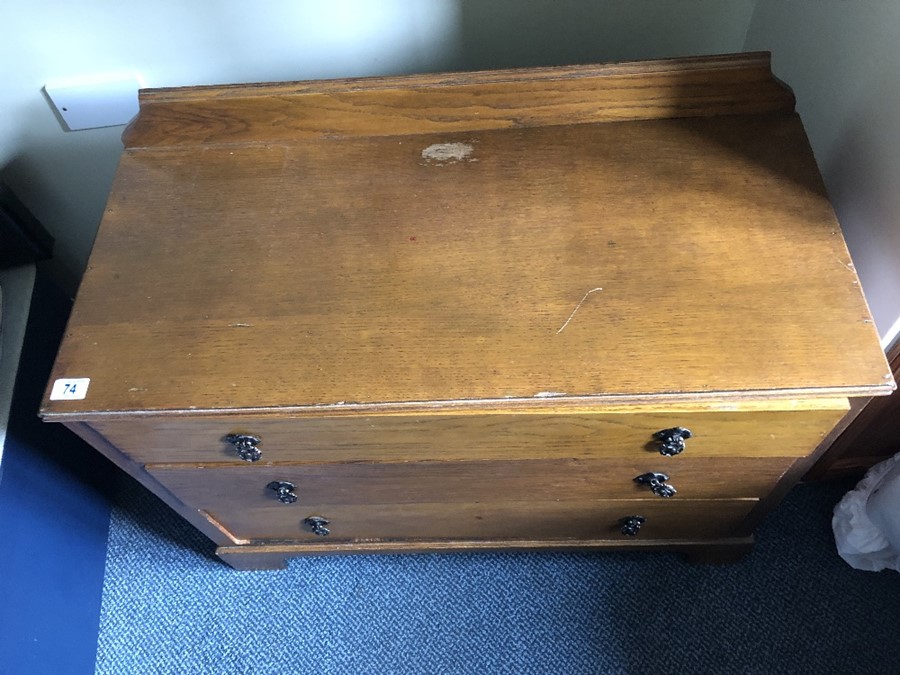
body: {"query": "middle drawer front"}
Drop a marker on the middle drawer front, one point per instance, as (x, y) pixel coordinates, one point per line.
(212, 486)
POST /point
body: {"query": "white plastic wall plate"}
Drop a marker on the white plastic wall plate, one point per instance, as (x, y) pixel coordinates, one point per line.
(96, 103)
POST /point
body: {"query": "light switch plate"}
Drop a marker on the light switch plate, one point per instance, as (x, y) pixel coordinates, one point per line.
(97, 103)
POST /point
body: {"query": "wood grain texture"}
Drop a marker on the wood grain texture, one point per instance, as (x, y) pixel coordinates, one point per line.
(456, 308)
(361, 483)
(868, 433)
(627, 433)
(279, 112)
(136, 471)
(547, 520)
(870, 437)
(357, 271)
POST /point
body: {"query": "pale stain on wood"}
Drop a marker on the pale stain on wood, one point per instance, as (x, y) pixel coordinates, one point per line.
(448, 153)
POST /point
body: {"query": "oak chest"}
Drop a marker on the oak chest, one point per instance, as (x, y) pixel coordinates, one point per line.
(596, 306)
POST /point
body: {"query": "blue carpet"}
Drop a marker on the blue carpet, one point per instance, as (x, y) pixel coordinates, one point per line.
(54, 514)
(792, 606)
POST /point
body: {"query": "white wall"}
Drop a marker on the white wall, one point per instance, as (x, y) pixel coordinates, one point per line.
(511, 33)
(842, 59)
(64, 177)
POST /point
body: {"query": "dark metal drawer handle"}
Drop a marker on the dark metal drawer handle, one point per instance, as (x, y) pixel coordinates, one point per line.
(631, 525)
(671, 441)
(284, 490)
(657, 483)
(317, 525)
(245, 446)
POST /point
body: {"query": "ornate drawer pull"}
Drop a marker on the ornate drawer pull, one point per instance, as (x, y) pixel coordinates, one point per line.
(671, 441)
(317, 525)
(284, 490)
(631, 525)
(657, 483)
(245, 446)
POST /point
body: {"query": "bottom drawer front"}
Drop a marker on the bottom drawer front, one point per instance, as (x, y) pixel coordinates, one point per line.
(547, 520)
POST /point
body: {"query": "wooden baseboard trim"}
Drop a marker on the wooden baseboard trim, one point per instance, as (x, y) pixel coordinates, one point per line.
(274, 556)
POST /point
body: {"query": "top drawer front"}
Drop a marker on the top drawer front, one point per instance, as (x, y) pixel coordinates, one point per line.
(464, 437)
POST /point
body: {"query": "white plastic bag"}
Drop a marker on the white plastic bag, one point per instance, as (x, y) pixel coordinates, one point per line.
(866, 522)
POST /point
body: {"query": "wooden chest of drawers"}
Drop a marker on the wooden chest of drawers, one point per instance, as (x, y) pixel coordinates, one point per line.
(595, 306)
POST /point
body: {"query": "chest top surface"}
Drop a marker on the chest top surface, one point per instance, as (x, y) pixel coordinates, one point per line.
(503, 238)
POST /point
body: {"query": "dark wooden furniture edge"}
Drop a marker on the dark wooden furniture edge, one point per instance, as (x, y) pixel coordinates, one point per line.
(862, 424)
(548, 404)
(117, 457)
(274, 556)
(825, 462)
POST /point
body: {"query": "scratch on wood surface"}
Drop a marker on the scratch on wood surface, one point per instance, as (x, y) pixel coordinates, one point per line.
(240, 325)
(577, 307)
(549, 394)
(849, 266)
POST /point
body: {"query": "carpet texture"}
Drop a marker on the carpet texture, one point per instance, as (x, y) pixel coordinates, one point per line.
(792, 606)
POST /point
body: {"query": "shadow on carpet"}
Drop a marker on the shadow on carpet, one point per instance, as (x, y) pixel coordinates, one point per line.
(792, 606)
